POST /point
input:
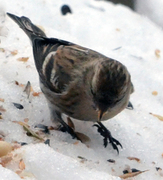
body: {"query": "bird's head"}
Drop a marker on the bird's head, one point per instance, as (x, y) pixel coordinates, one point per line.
(111, 86)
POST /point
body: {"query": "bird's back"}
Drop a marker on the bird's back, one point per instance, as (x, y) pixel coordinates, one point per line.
(55, 59)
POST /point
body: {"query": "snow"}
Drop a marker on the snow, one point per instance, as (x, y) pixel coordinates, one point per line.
(113, 30)
(7, 174)
(151, 9)
(61, 166)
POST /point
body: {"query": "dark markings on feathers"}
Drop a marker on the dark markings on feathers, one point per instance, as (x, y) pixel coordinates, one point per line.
(71, 61)
(48, 68)
(47, 84)
(59, 66)
(42, 46)
(54, 41)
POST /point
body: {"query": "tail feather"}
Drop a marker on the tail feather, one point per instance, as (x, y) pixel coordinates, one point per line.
(36, 35)
(43, 48)
(28, 27)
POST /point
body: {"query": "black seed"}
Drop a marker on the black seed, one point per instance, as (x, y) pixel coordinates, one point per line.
(135, 170)
(130, 106)
(111, 160)
(47, 142)
(0, 113)
(23, 143)
(28, 134)
(40, 126)
(158, 168)
(125, 172)
(83, 158)
(43, 128)
(65, 9)
(19, 106)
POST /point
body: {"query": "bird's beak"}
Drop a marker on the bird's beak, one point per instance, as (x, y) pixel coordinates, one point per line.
(100, 114)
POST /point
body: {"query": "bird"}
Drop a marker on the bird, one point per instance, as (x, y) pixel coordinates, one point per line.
(79, 82)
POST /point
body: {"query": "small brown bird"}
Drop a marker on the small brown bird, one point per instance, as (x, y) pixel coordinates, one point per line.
(77, 81)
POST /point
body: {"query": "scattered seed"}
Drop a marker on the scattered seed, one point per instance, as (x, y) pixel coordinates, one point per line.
(2, 100)
(158, 168)
(125, 172)
(28, 89)
(130, 106)
(19, 106)
(23, 143)
(82, 158)
(162, 154)
(15, 52)
(30, 132)
(43, 128)
(21, 85)
(36, 93)
(157, 53)
(2, 109)
(21, 165)
(47, 142)
(76, 143)
(2, 50)
(70, 123)
(26, 120)
(158, 116)
(117, 29)
(133, 158)
(65, 9)
(24, 59)
(84, 138)
(5, 148)
(28, 66)
(127, 169)
(111, 160)
(51, 128)
(131, 174)
(17, 83)
(135, 170)
(155, 93)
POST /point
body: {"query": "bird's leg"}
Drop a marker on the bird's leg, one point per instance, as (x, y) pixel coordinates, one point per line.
(56, 117)
(107, 136)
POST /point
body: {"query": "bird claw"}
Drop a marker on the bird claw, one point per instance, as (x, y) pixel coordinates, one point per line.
(70, 131)
(107, 136)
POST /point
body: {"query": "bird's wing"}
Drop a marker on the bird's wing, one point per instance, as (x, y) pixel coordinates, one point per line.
(57, 59)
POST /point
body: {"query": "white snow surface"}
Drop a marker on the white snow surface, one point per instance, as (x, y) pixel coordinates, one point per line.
(151, 9)
(114, 31)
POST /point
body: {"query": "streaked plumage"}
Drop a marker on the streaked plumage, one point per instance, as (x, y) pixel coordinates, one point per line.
(77, 81)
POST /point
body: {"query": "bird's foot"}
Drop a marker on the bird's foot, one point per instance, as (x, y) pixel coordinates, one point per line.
(107, 136)
(67, 128)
